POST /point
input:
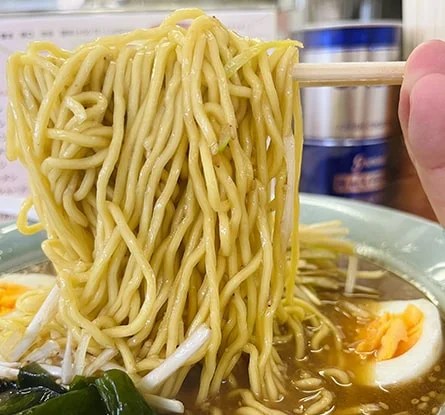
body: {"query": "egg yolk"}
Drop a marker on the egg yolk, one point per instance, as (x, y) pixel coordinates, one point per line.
(391, 335)
(9, 293)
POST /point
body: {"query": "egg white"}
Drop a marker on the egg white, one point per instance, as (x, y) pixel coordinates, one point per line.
(32, 281)
(422, 356)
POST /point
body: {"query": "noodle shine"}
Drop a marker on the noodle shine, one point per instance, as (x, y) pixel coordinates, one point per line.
(152, 158)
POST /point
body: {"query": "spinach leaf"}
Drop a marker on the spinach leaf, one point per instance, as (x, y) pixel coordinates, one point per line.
(80, 402)
(120, 396)
(14, 401)
(34, 375)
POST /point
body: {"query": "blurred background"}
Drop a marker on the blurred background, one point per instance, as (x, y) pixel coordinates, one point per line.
(353, 144)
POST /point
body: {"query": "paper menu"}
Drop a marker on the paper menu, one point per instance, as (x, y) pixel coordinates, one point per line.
(70, 30)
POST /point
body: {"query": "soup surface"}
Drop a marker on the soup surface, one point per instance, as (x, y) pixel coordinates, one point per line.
(424, 395)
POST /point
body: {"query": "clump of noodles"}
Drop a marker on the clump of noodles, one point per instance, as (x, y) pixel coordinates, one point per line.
(151, 158)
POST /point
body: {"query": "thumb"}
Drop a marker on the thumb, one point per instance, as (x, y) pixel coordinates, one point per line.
(422, 117)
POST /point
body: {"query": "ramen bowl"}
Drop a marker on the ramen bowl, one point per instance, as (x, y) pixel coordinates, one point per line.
(408, 246)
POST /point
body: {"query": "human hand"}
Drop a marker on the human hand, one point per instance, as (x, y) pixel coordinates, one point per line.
(422, 117)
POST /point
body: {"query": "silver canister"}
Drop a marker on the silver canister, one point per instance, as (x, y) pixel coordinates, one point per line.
(347, 129)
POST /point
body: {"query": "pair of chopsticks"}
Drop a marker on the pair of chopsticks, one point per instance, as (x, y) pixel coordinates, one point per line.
(349, 73)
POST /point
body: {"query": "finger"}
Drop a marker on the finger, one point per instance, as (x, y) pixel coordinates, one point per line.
(426, 59)
(426, 123)
(422, 115)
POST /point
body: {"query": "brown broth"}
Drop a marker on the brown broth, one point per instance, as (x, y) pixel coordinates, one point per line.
(425, 395)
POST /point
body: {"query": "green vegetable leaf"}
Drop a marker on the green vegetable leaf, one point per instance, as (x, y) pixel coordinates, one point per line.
(236, 63)
(81, 382)
(34, 375)
(120, 396)
(80, 402)
(14, 401)
(6, 385)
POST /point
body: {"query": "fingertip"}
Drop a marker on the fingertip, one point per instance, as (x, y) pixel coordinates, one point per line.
(427, 58)
(425, 51)
(426, 125)
(426, 54)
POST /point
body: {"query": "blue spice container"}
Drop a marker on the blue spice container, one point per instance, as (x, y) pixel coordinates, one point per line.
(347, 129)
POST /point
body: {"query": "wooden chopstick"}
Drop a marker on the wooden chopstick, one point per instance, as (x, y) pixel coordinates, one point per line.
(349, 73)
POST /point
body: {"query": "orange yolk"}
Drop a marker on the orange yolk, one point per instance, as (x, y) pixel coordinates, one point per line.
(391, 335)
(9, 293)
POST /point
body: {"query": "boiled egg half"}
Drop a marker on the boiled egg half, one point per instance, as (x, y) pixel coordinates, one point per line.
(12, 286)
(403, 342)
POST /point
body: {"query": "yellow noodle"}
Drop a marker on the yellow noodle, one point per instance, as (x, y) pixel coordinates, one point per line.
(152, 158)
